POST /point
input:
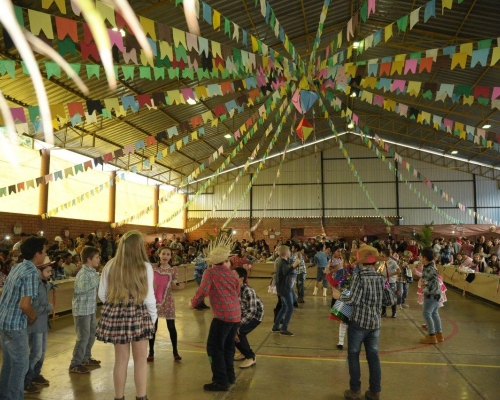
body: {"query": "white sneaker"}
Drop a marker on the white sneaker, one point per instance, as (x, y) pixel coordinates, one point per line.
(315, 291)
(405, 306)
(238, 356)
(248, 362)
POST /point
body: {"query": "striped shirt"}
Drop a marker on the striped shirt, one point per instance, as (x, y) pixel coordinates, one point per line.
(365, 297)
(251, 305)
(21, 282)
(85, 294)
(222, 287)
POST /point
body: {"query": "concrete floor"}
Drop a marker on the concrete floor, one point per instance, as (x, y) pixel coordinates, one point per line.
(466, 366)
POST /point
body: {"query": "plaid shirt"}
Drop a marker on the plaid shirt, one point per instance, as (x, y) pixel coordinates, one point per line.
(365, 298)
(251, 305)
(85, 294)
(21, 282)
(223, 288)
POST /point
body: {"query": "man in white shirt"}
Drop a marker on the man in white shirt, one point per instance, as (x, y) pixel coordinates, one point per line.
(17, 246)
(70, 269)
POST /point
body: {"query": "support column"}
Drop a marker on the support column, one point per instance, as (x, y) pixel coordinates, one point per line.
(156, 210)
(474, 188)
(185, 213)
(396, 165)
(251, 204)
(322, 191)
(112, 198)
(43, 200)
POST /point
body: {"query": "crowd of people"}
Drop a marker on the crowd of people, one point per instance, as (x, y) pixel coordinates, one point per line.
(138, 280)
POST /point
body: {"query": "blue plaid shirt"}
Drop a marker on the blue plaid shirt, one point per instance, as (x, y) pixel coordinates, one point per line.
(85, 293)
(21, 282)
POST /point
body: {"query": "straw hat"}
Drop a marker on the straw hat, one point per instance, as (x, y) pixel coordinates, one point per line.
(219, 250)
(367, 255)
(46, 263)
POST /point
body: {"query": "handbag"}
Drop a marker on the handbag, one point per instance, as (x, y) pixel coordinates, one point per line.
(388, 296)
(272, 285)
(409, 275)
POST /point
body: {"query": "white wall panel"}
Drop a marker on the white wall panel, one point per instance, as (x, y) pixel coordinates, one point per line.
(370, 170)
(346, 196)
(462, 190)
(438, 173)
(493, 213)
(296, 194)
(297, 171)
(421, 217)
(488, 193)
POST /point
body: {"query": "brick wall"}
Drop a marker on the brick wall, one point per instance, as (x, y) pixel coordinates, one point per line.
(53, 227)
(349, 228)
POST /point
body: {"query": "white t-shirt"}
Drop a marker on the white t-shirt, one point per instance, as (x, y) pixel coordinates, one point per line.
(149, 301)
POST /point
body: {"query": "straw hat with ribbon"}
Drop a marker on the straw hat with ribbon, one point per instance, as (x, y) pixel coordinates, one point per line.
(219, 250)
(368, 255)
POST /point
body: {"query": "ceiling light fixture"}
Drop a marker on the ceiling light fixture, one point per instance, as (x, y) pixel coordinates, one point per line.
(351, 125)
(486, 126)
(355, 45)
(454, 152)
(122, 32)
(191, 101)
(227, 136)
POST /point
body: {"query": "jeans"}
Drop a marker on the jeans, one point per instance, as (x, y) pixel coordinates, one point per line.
(321, 276)
(38, 346)
(431, 315)
(197, 278)
(220, 350)
(85, 326)
(370, 337)
(285, 313)
(300, 285)
(402, 289)
(15, 364)
(243, 346)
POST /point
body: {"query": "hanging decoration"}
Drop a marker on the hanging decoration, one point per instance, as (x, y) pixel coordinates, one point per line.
(81, 198)
(304, 129)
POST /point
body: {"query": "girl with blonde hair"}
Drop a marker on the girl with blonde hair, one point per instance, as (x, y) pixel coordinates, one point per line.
(129, 311)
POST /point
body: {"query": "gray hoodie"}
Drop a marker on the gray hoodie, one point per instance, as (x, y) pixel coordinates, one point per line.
(42, 307)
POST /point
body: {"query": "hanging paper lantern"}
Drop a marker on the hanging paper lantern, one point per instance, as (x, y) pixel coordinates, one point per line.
(304, 129)
(493, 228)
(388, 229)
(307, 99)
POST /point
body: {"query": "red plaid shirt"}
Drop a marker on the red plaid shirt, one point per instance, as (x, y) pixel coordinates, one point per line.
(223, 289)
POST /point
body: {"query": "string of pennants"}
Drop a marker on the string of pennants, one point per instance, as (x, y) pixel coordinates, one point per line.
(357, 176)
(81, 198)
(250, 127)
(87, 112)
(457, 129)
(259, 168)
(372, 40)
(232, 30)
(437, 92)
(130, 149)
(364, 130)
(241, 173)
(418, 62)
(182, 53)
(367, 7)
(398, 173)
(271, 192)
(209, 182)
